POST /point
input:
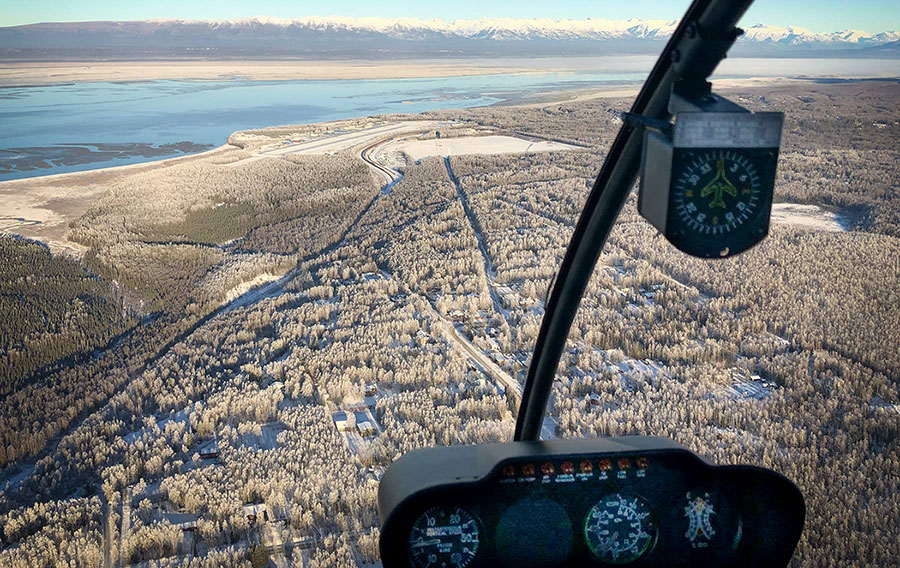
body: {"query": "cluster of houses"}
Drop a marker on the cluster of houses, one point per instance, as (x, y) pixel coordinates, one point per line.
(344, 424)
(346, 421)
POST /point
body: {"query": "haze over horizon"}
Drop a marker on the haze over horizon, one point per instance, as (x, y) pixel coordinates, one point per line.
(870, 16)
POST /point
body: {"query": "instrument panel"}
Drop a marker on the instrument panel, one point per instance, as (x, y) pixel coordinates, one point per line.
(631, 501)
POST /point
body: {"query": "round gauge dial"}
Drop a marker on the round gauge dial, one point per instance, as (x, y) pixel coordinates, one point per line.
(443, 537)
(619, 529)
(716, 191)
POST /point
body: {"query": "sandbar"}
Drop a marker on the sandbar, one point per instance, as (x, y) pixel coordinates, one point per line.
(19, 74)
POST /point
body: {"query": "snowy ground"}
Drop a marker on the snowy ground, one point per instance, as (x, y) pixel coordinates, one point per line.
(744, 389)
(344, 140)
(245, 287)
(808, 217)
(495, 144)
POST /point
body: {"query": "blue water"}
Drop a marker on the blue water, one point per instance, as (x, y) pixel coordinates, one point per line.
(37, 120)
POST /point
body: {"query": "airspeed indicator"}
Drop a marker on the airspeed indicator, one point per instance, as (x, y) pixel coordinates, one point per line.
(443, 537)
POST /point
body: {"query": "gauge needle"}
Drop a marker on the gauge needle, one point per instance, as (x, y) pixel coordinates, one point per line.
(422, 543)
(611, 541)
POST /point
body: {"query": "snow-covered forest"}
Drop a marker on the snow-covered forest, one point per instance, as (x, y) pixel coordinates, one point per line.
(191, 422)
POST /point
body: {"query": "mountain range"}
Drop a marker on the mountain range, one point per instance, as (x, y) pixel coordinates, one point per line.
(337, 36)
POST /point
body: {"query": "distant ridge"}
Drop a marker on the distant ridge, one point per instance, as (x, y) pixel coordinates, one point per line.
(383, 36)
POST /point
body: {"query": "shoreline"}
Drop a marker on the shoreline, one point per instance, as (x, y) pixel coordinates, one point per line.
(41, 207)
(159, 162)
(536, 99)
(16, 73)
(33, 74)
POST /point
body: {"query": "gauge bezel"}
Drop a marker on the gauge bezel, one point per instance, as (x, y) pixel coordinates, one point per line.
(445, 509)
(749, 232)
(653, 534)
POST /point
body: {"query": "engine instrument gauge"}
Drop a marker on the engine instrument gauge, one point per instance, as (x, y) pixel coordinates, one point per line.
(619, 529)
(443, 537)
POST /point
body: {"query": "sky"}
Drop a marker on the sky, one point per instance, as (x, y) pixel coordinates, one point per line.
(818, 15)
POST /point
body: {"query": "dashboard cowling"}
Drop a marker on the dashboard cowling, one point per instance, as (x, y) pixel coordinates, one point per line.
(635, 501)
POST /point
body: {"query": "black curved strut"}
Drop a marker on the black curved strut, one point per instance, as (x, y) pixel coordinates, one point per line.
(699, 43)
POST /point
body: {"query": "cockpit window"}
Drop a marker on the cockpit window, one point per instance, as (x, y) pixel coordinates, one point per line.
(248, 263)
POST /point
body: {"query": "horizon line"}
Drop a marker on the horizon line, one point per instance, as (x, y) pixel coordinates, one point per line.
(273, 19)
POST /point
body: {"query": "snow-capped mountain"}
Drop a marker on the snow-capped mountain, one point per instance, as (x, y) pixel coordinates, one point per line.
(795, 35)
(486, 28)
(359, 36)
(538, 28)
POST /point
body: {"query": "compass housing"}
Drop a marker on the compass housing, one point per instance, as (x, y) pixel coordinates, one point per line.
(707, 184)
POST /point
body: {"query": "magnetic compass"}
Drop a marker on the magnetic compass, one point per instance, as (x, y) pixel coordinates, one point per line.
(716, 192)
(707, 181)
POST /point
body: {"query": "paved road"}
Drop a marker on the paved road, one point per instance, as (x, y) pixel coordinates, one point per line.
(490, 367)
(339, 142)
(388, 176)
(548, 430)
(107, 531)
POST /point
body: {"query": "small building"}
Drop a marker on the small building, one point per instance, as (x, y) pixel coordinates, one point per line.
(183, 521)
(366, 429)
(209, 450)
(458, 316)
(255, 511)
(595, 399)
(341, 422)
(371, 389)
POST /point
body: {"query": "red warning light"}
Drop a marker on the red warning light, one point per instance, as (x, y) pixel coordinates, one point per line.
(643, 463)
(586, 466)
(603, 465)
(624, 463)
(547, 468)
(567, 468)
(528, 470)
(509, 471)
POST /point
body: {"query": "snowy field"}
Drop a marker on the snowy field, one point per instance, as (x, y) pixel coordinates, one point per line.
(495, 144)
(808, 217)
(341, 140)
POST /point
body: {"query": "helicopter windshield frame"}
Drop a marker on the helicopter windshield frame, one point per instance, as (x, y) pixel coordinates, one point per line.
(699, 43)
